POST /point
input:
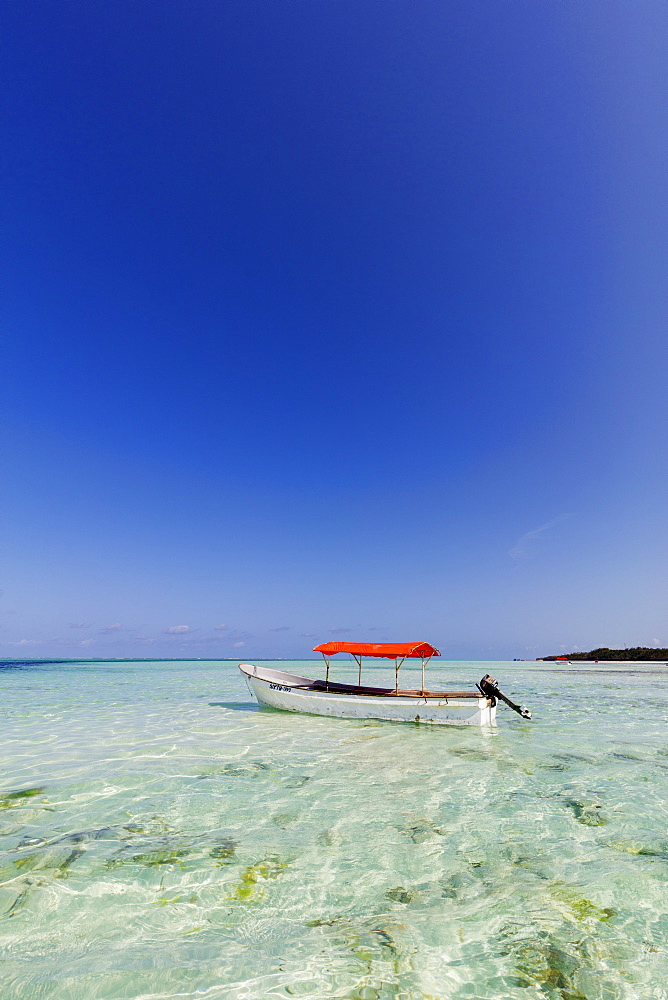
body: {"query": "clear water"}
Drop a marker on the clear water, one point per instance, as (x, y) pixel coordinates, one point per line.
(162, 837)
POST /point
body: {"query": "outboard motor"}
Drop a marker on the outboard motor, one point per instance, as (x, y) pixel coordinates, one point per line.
(490, 689)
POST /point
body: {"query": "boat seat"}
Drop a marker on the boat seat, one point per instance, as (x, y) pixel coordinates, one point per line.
(389, 692)
(348, 688)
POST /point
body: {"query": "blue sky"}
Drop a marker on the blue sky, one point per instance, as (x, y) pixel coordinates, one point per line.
(332, 319)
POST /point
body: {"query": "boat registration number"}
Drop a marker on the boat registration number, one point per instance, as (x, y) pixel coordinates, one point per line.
(279, 687)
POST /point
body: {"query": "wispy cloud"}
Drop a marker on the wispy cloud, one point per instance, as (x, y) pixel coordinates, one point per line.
(106, 629)
(26, 642)
(524, 547)
(221, 628)
(337, 630)
(79, 625)
(280, 628)
(307, 635)
(238, 644)
(194, 637)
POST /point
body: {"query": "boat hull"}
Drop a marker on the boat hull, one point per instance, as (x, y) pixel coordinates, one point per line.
(290, 693)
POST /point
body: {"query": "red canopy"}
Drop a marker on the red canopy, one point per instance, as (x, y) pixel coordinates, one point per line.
(389, 649)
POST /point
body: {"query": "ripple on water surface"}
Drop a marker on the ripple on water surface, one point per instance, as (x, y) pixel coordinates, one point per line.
(161, 837)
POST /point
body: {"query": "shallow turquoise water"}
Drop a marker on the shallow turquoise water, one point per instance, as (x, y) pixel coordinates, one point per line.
(162, 837)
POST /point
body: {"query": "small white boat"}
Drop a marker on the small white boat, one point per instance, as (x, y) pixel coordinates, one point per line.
(293, 693)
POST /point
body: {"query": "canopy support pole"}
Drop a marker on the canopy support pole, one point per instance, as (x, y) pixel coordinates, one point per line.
(424, 663)
(358, 660)
(397, 664)
(326, 659)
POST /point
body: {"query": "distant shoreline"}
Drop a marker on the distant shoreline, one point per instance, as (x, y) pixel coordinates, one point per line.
(646, 663)
(7, 661)
(603, 654)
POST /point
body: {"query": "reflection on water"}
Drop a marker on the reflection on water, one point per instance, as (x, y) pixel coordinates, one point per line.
(160, 837)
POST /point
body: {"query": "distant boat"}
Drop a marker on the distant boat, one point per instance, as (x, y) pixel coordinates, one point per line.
(292, 693)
